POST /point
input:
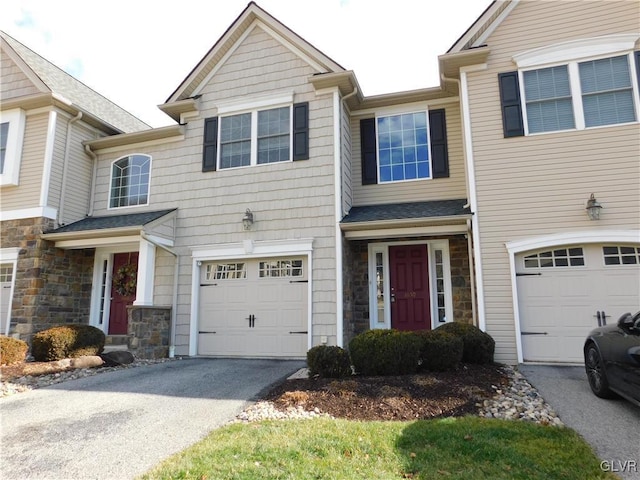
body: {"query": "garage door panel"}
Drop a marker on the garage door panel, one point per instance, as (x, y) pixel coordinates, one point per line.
(561, 299)
(273, 292)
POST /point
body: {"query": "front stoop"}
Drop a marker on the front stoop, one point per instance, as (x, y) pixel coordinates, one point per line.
(114, 343)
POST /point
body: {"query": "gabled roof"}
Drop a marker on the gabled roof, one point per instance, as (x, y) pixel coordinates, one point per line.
(251, 14)
(51, 79)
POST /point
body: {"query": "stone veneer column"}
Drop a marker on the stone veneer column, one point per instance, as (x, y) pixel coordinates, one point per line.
(149, 330)
(52, 286)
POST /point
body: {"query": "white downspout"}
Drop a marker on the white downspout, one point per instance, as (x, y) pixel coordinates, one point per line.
(65, 165)
(174, 300)
(472, 273)
(337, 134)
(94, 157)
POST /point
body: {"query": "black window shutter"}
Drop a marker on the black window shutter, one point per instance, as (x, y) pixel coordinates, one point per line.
(510, 103)
(301, 131)
(210, 144)
(438, 137)
(368, 150)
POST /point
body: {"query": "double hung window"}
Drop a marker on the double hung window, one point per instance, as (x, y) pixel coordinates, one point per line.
(579, 95)
(574, 85)
(403, 147)
(268, 134)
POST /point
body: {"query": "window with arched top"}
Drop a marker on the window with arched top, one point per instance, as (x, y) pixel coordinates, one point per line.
(130, 181)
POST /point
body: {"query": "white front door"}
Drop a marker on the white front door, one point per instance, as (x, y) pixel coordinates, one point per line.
(563, 291)
(254, 308)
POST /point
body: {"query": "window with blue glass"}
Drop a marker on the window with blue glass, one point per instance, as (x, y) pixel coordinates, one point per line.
(130, 181)
(403, 147)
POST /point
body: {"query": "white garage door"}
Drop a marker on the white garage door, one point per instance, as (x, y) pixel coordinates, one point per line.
(6, 278)
(562, 291)
(254, 308)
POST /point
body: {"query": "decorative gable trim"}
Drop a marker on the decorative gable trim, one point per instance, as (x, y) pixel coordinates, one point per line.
(577, 49)
(24, 67)
(249, 19)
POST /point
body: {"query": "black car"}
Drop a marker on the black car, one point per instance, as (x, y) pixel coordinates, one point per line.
(612, 359)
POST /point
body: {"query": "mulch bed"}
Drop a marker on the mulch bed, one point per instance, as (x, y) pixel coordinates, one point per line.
(404, 397)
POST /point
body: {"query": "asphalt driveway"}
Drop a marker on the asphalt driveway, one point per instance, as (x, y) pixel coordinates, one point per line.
(119, 424)
(611, 427)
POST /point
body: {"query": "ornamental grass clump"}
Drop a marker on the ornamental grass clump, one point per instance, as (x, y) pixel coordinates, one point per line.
(385, 352)
(328, 361)
(479, 346)
(440, 350)
(67, 341)
(12, 350)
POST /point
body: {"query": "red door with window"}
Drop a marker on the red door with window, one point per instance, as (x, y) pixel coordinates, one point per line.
(409, 277)
(125, 265)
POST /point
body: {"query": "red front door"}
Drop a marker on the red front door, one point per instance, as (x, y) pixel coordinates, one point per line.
(120, 301)
(409, 276)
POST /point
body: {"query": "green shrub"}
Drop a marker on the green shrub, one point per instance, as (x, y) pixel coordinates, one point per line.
(479, 346)
(328, 361)
(440, 350)
(67, 341)
(385, 352)
(12, 350)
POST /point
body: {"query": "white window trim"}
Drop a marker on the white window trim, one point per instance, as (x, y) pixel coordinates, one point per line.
(109, 207)
(394, 112)
(13, 155)
(571, 54)
(432, 245)
(253, 108)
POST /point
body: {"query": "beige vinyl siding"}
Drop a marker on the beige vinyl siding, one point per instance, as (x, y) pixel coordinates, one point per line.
(79, 173)
(27, 193)
(290, 200)
(14, 82)
(415, 190)
(55, 178)
(539, 185)
(346, 152)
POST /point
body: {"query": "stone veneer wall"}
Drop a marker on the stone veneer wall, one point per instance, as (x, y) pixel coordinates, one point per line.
(149, 330)
(356, 264)
(52, 286)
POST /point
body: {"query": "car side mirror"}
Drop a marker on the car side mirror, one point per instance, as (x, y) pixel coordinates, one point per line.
(626, 321)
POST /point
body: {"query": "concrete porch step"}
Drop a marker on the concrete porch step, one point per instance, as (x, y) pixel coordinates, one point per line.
(115, 343)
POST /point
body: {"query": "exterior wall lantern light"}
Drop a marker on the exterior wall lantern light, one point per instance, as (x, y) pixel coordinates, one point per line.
(593, 208)
(247, 220)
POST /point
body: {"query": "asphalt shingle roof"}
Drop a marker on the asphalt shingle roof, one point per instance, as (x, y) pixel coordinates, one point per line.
(60, 82)
(112, 221)
(399, 211)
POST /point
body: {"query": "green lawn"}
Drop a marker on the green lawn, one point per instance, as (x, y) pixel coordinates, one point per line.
(454, 448)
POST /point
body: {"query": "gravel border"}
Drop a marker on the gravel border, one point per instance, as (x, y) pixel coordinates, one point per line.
(516, 401)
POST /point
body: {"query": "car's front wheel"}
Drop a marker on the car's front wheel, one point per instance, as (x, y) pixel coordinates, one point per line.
(595, 372)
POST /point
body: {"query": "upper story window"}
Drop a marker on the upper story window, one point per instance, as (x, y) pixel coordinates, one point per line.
(579, 95)
(262, 135)
(12, 124)
(130, 181)
(404, 146)
(557, 88)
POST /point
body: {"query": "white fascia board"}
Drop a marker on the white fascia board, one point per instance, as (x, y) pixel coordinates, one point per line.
(35, 212)
(406, 232)
(99, 242)
(251, 249)
(241, 104)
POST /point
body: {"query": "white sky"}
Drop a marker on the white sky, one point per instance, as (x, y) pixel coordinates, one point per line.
(136, 52)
